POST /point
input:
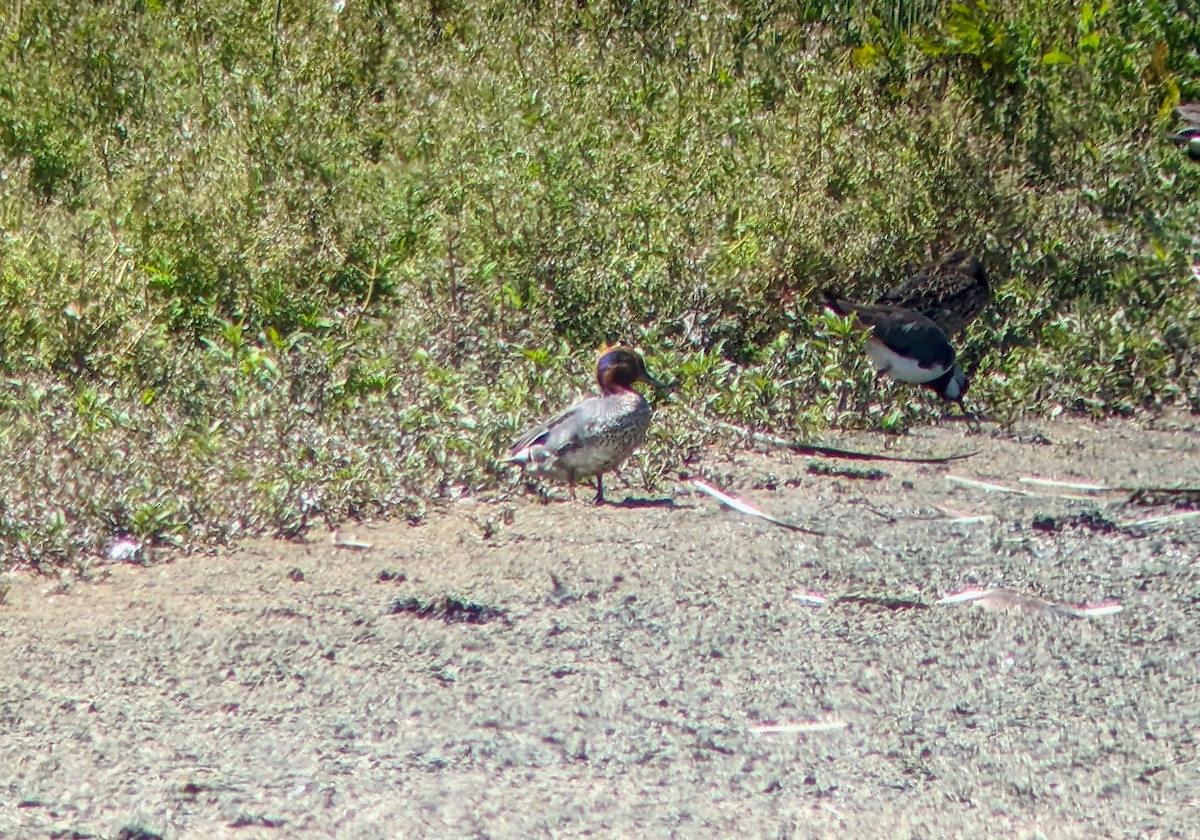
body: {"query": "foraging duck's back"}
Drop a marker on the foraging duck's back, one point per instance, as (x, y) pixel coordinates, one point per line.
(950, 292)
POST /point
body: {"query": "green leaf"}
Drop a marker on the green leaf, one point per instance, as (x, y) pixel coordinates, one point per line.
(866, 55)
(930, 47)
(1057, 57)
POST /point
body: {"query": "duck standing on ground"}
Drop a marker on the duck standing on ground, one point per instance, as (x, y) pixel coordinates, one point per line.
(906, 346)
(596, 435)
(950, 292)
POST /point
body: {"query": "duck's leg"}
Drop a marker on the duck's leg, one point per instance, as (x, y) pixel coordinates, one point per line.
(600, 489)
(973, 424)
(571, 486)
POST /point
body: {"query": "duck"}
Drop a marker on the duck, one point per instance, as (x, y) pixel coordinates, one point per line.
(906, 345)
(951, 292)
(1188, 137)
(596, 435)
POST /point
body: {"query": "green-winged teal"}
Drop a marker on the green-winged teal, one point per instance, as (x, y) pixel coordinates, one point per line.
(950, 292)
(596, 435)
(906, 346)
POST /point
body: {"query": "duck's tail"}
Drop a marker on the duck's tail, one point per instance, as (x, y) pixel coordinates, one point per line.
(836, 303)
(518, 456)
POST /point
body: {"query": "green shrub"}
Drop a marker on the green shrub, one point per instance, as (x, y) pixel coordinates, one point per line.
(262, 272)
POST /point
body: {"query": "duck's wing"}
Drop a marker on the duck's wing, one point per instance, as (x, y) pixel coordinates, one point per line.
(910, 334)
(552, 428)
(952, 276)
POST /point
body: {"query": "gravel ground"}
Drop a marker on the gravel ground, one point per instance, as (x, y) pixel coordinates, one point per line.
(516, 669)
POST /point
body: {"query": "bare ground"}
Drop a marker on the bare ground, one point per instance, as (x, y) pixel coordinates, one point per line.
(611, 665)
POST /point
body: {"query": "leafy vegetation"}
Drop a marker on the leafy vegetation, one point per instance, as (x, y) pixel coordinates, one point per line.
(271, 265)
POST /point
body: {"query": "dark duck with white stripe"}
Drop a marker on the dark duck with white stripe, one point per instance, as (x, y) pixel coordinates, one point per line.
(906, 346)
(1187, 136)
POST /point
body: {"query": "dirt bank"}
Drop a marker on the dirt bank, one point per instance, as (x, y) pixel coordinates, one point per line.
(577, 670)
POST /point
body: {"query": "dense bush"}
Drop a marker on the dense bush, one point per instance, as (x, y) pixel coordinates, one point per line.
(265, 265)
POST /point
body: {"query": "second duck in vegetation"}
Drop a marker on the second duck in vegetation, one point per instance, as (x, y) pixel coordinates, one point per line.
(950, 292)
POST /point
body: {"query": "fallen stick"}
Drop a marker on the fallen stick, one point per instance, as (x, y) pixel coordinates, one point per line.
(963, 518)
(1137, 495)
(742, 507)
(1016, 491)
(976, 484)
(348, 542)
(1149, 496)
(1168, 519)
(1144, 495)
(804, 727)
(1069, 485)
(810, 599)
(805, 448)
(1009, 599)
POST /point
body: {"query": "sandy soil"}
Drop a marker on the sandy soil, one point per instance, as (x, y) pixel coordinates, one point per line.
(514, 669)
